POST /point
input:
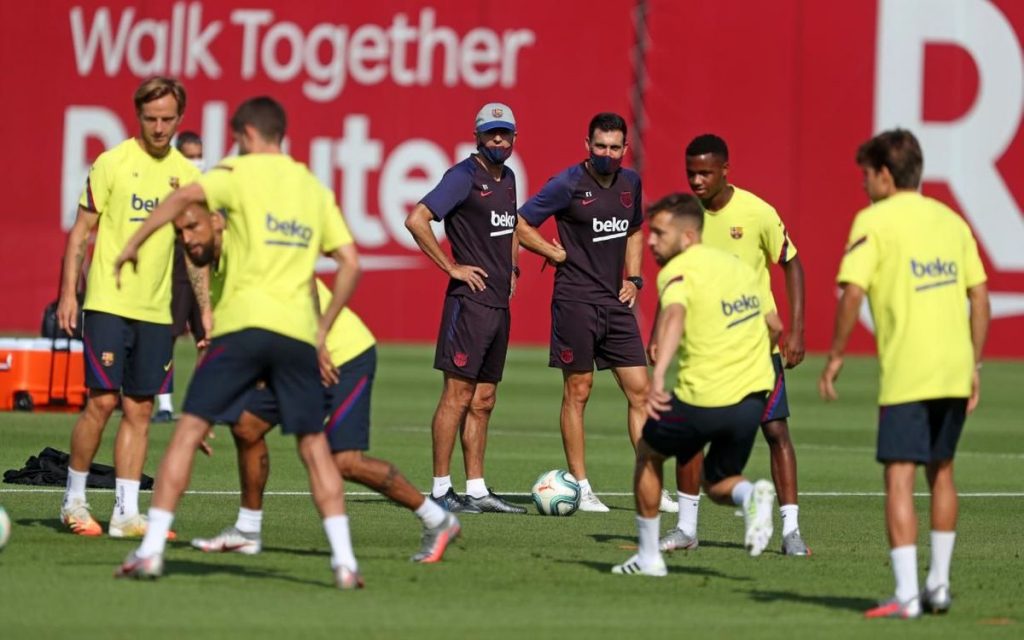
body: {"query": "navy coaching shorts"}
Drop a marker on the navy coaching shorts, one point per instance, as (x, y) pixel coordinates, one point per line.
(922, 432)
(584, 335)
(129, 355)
(473, 340)
(686, 429)
(235, 362)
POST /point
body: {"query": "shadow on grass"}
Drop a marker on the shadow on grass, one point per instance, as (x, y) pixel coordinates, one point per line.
(609, 537)
(48, 523)
(605, 567)
(209, 566)
(848, 603)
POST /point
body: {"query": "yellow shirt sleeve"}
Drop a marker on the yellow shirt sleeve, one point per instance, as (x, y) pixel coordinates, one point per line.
(336, 233)
(861, 258)
(98, 185)
(775, 239)
(675, 290)
(974, 271)
(218, 187)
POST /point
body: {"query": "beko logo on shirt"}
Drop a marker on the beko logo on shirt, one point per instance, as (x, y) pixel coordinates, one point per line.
(139, 204)
(289, 229)
(615, 228)
(740, 305)
(506, 223)
(938, 271)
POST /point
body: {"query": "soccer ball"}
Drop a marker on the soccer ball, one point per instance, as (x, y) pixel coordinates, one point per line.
(556, 493)
(5, 528)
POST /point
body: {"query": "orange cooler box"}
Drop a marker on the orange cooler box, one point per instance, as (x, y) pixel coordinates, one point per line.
(41, 373)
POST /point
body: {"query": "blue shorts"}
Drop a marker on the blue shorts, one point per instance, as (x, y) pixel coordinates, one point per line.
(346, 404)
(473, 340)
(923, 432)
(686, 429)
(235, 362)
(777, 406)
(133, 356)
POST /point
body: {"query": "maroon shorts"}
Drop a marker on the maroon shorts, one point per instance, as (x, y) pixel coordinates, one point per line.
(584, 335)
(473, 340)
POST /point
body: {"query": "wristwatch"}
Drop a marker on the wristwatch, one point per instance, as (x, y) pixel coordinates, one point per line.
(637, 281)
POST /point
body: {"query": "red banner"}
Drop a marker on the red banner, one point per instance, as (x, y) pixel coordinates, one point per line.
(381, 98)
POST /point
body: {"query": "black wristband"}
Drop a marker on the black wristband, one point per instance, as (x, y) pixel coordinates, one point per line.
(637, 281)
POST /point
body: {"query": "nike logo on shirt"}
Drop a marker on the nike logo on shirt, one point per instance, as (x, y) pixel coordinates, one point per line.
(586, 202)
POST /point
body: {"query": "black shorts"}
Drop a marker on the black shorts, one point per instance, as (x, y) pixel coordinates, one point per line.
(133, 356)
(777, 406)
(686, 429)
(473, 340)
(235, 362)
(922, 432)
(584, 335)
(346, 404)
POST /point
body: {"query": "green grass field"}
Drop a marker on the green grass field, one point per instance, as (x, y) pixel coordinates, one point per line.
(525, 576)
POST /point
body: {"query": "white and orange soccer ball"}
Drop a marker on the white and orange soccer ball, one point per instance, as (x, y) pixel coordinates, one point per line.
(556, 493)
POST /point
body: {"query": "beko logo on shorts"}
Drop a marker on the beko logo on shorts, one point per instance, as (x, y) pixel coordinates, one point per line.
(615, 228)
(138, 204)
(301, 233)
(505, 222)
(938, 272)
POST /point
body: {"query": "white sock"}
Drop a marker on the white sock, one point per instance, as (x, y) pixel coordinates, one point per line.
(476, 487)
(341, 542)
(126, 497)
(164, 402)
(688, 508)
(904, 568)
(430, 514)
(740, 492)
(76, 485)
(790, 514)
(249, 520)
(156, 533)
(942, 554)
(585, 486)
(441, 486)
(647, 530)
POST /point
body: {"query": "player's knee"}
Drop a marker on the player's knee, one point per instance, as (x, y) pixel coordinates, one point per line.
(103, 403)
(349, 464)
(578, 390)
(483, 402)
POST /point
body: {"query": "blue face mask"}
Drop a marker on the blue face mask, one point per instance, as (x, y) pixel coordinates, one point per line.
(494, 155)
(605, 165)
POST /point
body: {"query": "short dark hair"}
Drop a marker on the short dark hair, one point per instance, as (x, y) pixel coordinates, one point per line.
(157, 87)
(899, 152)
(188, 137)
(682, 206)
(264, 114)
(708, 143)
(607, 121)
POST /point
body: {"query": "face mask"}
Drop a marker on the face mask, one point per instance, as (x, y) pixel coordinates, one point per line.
(495, 155)
(605, 165)
(198, 162)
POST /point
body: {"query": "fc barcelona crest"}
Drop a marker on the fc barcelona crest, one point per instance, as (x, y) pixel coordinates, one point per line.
(460, 359)
(107, 358)
(626, 198)
(175, 183)
(736, 232)
(566, 356)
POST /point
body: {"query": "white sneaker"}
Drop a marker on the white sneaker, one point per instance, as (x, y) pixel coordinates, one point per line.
(346, 579)
(132, 527)
(757, 517)
(668, 505)
(635, 568)
(590, 502)
(230, 540)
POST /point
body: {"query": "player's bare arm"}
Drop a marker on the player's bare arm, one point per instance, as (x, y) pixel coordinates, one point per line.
(774, 323)
(74, 257)
(670, 325)
(199, 278)
(531, 239)
(793, 348)
(347, 257)
(514, 278)
(418, 224)
(652, 342)
(846, 320)
(165, 212)
(634, 259)
(981, 313)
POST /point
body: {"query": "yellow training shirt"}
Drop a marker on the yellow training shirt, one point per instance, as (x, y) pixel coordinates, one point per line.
(750, 229)
(124, 186)
(279, 221)
(724, 354)
(916, 259)
(349, 336)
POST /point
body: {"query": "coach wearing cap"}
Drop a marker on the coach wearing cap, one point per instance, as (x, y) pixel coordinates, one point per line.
(476, 199)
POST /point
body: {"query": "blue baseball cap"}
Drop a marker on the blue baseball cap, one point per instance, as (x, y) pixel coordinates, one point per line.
(495, 115)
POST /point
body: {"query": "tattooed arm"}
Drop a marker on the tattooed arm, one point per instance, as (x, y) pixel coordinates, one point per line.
(74, 256)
